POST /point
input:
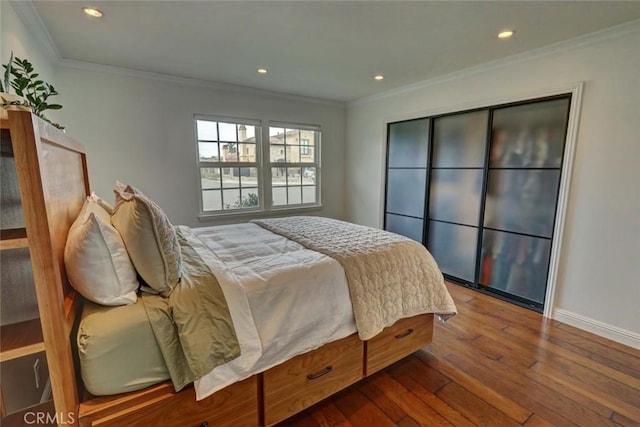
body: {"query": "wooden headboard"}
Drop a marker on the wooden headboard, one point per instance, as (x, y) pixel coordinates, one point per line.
(52, 176)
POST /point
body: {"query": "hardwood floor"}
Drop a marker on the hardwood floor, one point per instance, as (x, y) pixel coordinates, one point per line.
(495, 364)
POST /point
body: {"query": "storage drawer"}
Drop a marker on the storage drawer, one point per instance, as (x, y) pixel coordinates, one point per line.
(397, 341)
(310, 377)
(234, 406)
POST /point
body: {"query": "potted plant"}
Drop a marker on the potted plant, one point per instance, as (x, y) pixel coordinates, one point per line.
(33, 94)
(9, 100)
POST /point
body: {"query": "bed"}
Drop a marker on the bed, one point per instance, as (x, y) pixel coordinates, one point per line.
(295, 351)
(280, 283)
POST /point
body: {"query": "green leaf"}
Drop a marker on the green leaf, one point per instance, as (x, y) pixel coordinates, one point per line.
(20, 75)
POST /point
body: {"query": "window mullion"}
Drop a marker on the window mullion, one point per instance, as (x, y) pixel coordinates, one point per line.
(267, 195)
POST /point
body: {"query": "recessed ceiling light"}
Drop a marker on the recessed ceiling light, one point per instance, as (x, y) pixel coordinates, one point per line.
(263, 70)
(505, 34)
(92, 12)
(378, 77)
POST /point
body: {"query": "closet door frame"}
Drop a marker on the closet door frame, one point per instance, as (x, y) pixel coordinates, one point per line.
(575, 91)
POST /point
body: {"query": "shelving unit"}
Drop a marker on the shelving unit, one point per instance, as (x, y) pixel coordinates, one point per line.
(21, 339)
(13, 238)
(35, 344)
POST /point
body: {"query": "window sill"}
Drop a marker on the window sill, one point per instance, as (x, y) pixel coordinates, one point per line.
(259, 213)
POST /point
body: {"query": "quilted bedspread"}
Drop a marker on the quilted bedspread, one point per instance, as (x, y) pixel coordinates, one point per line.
(390, 277)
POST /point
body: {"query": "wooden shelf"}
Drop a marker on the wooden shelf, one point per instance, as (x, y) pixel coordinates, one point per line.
(20, 339)
(13, 238)
(4, 119)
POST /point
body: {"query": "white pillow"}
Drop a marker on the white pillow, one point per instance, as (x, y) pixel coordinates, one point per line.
(96, 259)
(149, 237)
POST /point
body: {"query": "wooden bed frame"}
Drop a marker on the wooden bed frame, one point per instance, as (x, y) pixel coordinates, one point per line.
(53, 178)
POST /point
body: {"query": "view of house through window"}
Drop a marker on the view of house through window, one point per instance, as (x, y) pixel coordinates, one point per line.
(293, 154)
(230, 164)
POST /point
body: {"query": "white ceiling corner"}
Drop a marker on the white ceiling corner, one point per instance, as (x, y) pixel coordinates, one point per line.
(29, 15)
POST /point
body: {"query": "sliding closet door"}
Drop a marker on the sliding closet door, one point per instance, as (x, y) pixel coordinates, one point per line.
(527, 146)
(480, 189)
(455, 192)
(407, 160)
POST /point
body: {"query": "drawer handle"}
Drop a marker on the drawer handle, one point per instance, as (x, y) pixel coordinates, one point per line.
(317, 375)
(405, 334)
(204, 424)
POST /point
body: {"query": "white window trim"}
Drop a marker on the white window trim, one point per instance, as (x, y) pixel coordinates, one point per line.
(263, 164)
(316, 164)
(203, 164)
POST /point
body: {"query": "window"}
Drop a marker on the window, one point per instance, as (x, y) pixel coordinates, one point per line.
(294, 165)
(304, 147)
(230, 159)
(229, 164)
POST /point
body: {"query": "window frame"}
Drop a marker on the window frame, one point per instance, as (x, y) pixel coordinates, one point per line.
(263, 164)
(316, 164)
(257, 124)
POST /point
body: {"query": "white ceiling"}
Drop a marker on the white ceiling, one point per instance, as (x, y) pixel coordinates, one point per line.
(322, 49)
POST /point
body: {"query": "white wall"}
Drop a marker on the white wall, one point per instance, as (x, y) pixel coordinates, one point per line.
(26, 42)
(600, 261)
(141, 131)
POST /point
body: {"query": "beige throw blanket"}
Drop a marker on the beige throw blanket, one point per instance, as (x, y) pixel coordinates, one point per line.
(390, 276)
(193, 326)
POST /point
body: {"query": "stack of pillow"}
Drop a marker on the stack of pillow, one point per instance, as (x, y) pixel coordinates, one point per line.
(109, 246)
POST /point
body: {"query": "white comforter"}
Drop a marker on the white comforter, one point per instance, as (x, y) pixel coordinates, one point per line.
(284, 299)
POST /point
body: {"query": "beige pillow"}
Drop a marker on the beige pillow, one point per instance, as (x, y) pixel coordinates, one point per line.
(149, 237)
(105, 205)
(96, 259)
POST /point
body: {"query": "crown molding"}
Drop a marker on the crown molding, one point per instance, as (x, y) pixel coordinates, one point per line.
(27, 12)
(574, 43)
(187, 81)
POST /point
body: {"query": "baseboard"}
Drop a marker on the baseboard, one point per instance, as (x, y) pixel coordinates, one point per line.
(632, 339)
